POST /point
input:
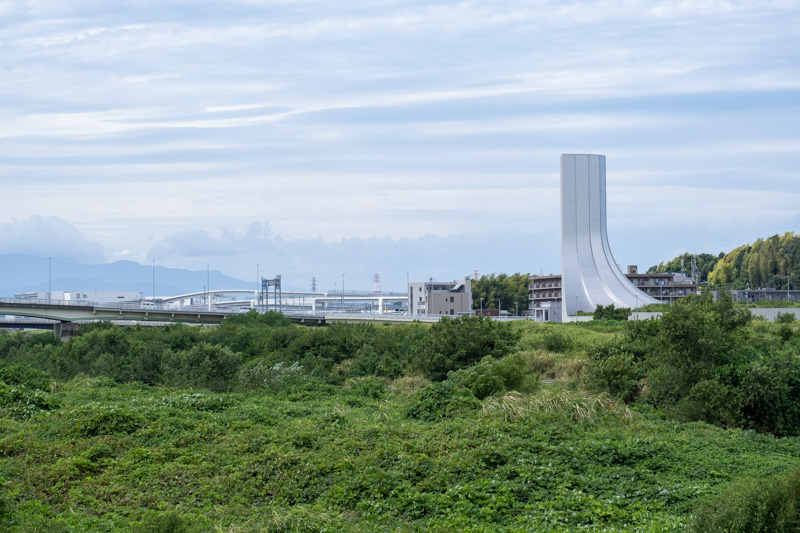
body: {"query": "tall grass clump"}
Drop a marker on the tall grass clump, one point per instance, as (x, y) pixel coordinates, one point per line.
(752, 505)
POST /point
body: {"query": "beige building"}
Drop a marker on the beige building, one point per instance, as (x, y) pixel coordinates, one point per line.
(440, 298)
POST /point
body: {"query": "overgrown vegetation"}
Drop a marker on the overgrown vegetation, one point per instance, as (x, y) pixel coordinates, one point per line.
(510, 292)
(767, 263)
(465, 425)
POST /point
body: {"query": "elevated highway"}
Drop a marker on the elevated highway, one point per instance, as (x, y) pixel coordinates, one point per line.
(65, 316)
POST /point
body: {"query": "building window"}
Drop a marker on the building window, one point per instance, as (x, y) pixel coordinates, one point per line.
(452, 299)
(452, 311)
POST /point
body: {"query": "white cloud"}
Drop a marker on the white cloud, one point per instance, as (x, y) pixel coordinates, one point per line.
(48, 236)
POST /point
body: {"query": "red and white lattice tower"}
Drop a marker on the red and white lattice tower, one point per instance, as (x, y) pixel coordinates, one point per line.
(376, 284)
(475, 273)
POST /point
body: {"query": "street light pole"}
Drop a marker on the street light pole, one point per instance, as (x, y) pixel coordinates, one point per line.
(516, 309)
(342, 291)
(208, 284)
(481, 306)
(154, 280)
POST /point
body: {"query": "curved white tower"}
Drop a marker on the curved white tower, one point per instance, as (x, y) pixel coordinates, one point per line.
(589, 274)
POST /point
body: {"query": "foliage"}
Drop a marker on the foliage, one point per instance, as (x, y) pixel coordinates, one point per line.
(702, 362)
(493, 377)
(205, 365)
(441, 400)
(19, 402)
(575, 407)
(104, 419)
(457, 343)
(275, 377)
(609, 312)
(682, 264)
(770, 505)
(556, 460)
(556, 340)
(21, 374)
(779, 304)
(765, 263)
(616, 370)
(169, 522)
(511, 291)
(336, 429)
(656, 307)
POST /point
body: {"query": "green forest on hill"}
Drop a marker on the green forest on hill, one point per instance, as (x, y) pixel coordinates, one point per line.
(767, 263)
(689, 423)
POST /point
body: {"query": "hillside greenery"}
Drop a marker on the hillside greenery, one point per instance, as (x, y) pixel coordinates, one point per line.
(767, 263)
(464, 425)
(683, 264)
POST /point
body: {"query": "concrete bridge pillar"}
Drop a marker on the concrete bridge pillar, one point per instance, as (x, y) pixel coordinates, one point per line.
(65, 330)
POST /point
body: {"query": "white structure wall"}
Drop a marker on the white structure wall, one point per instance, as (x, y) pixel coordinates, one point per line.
(590, 275)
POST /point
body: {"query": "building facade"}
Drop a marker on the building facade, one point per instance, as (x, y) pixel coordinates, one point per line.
(546, 291)
(449, 298)
(590, 275)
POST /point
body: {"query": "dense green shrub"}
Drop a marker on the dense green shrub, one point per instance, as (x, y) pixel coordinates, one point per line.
(769, 505)
(493, 377)
(615, 370)
(20, 402)
(441, 400)
(167, 522)
(204, 365)
(21, 374)
(105, 419)
(610, 312)
(557, 341)
(457, 343)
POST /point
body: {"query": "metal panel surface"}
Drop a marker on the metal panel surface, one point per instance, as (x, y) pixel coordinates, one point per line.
(590, 275)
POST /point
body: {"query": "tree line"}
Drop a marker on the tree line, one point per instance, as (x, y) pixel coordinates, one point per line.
(767, 263)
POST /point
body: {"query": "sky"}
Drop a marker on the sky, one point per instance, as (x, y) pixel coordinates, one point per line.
(409, 139)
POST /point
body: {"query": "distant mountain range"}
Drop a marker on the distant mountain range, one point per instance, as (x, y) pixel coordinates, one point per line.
(28, 273)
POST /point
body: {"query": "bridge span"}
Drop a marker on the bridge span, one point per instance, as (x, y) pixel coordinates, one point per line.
(65, 316)
(297, 300)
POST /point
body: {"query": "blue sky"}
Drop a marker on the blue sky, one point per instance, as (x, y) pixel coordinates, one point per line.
(317, 139)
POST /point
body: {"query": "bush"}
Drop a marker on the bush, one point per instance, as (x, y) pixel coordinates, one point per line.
(769, 505)
(453, 344)
(493, 377)
(784, 318)
(208, 366)
(21, 403)
(614, 370)
(441, 400)
(168, 522)
(609, 312)
(103, 419)
(20, 374)
(557, 341)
